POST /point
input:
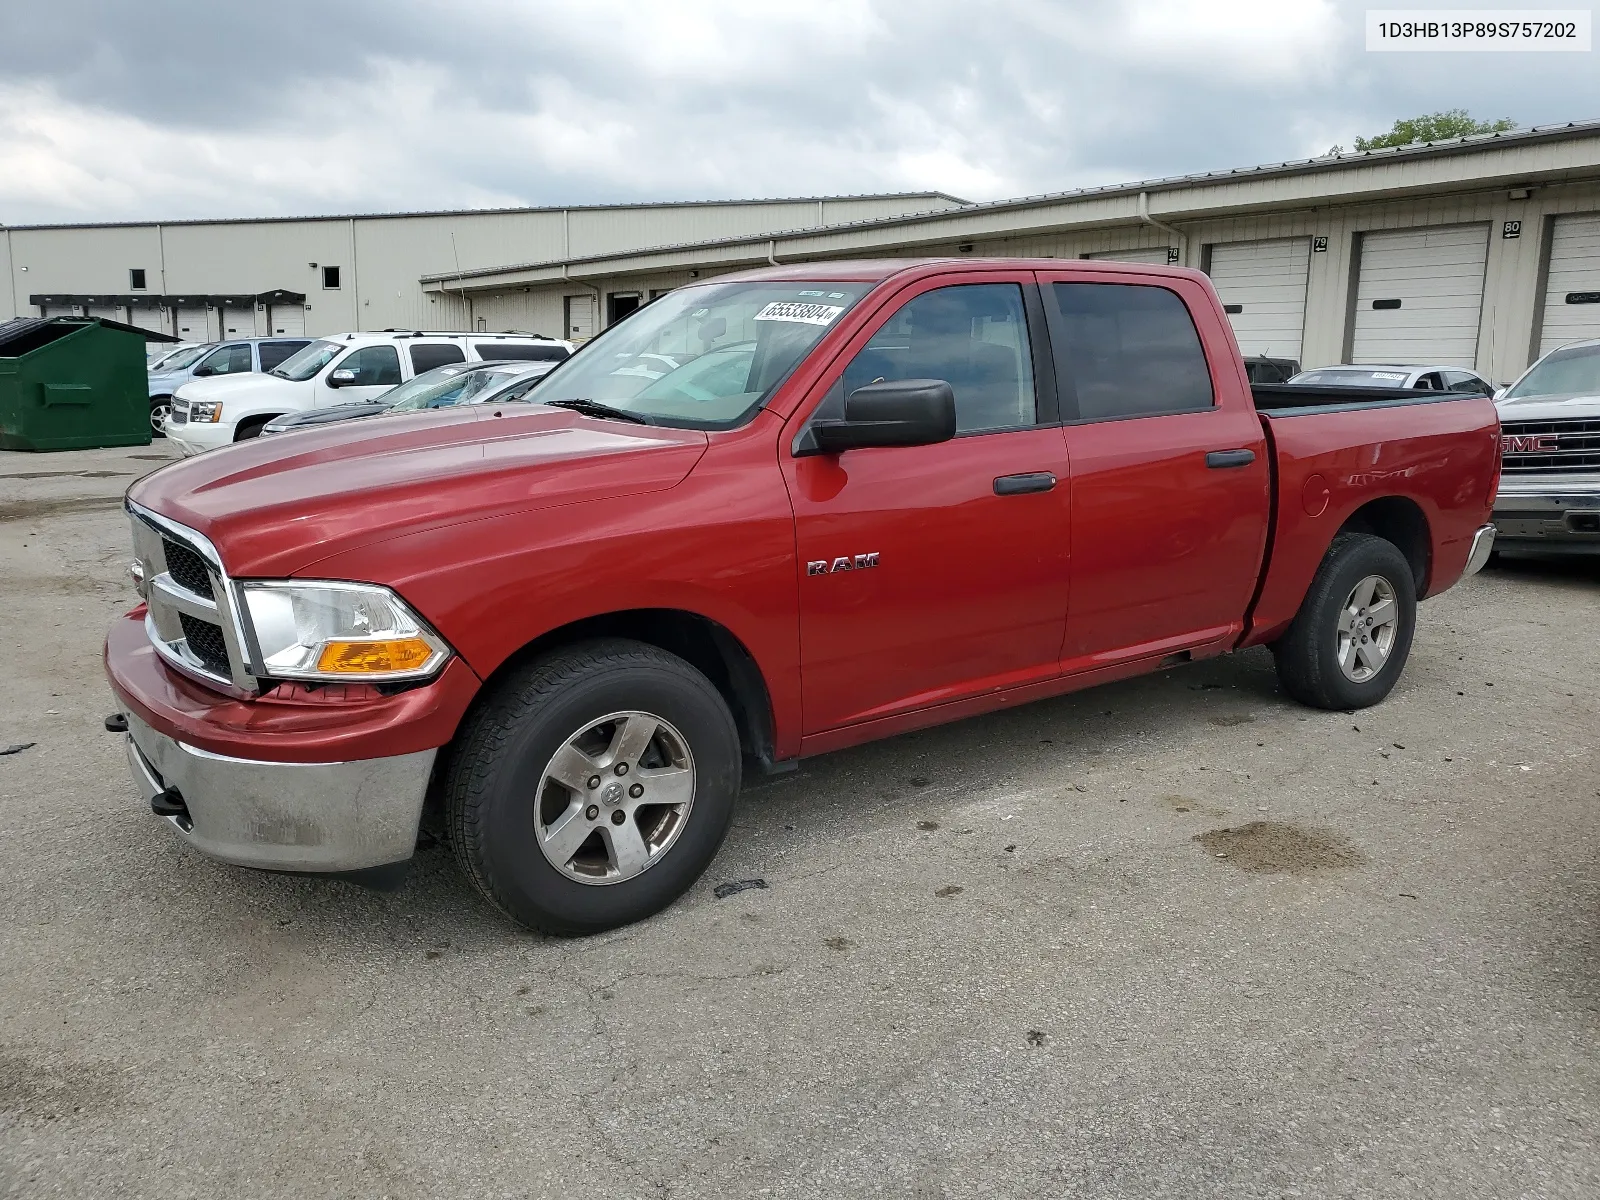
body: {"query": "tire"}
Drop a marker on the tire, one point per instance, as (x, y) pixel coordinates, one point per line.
(1309, 654)
(506, 810)
(250, 429)
(160, 406)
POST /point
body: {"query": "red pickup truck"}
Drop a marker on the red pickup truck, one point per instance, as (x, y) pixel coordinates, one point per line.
(765, 517)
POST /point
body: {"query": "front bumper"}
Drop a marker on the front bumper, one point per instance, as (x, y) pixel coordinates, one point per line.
(1549, 516)
(322, 817)
(192, 439)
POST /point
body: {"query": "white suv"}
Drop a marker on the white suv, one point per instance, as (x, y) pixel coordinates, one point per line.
(207, 413)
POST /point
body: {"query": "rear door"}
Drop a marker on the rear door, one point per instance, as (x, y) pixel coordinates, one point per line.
(1169, 469)
(931, 573)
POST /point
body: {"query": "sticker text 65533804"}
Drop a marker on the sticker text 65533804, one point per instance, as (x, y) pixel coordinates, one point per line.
(795, 310)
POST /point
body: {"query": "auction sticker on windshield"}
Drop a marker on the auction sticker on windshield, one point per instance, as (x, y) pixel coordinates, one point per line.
(794, 310)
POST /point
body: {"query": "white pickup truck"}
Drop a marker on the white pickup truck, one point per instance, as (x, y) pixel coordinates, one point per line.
(1549, 497)
(207, 413)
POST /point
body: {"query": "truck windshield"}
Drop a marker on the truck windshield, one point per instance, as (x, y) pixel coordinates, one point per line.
(179, 359)
(302, 365)
(702, 357)
(444, 386)
(1570, 372)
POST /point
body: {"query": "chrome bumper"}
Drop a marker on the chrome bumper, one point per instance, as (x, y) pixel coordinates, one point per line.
(1482, 547)
(1550, 519)
(345, 816)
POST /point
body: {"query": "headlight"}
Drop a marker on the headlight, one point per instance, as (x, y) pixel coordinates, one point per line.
(202, 411)
(339, 631)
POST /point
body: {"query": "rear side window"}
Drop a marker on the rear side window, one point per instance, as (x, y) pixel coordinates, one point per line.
(1126, 350)
(428, 355)
(273, 353)
(373, 365)
(519, 352)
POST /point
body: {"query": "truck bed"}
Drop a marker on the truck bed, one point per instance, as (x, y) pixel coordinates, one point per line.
(1333, 454)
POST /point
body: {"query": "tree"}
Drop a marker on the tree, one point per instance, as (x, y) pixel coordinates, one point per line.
(1435, 127)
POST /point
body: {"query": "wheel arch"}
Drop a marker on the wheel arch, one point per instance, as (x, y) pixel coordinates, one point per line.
(1401, 521)
(253, 421)
(705, 644)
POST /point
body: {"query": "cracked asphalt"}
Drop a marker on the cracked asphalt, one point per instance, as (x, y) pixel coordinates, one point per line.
(1174, 937)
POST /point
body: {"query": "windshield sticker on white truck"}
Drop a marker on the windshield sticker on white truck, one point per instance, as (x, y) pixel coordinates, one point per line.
(806, 314)
(1388, 375)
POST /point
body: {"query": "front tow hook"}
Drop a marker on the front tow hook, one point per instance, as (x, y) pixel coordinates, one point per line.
(117, 723)
(168, 802)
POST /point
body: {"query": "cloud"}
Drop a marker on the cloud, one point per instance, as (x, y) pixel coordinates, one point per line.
(115, 111)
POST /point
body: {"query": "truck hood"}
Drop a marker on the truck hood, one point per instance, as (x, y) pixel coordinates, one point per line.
(1577, 407)
(275, 505)
(246, 387)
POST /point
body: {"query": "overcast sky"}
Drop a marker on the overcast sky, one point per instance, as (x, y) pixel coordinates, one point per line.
(164, 110)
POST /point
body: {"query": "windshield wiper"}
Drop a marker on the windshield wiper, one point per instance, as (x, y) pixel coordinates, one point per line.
(593, 408)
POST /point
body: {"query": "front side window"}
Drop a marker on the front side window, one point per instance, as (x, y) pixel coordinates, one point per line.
(706, 356)
(1126, 350)
(374, 366)
(225, 360)
(974, 337)
(1466, 383)
(1571, 372)
(305, 363)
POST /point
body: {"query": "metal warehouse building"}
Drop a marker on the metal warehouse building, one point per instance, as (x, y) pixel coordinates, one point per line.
(205, 280)
(1481, 252)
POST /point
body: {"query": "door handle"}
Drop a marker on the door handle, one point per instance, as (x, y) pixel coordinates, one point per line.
(1230, 458)
(1030, 481)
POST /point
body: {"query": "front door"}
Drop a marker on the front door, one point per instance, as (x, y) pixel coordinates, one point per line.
(931, 573)
(1170, 478)
(373, 371)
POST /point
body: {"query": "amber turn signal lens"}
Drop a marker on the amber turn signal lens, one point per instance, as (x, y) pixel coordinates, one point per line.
(373, 658)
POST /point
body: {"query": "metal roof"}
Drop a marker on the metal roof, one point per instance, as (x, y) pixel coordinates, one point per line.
(486, 212)
(19, 328)
(1301, 166)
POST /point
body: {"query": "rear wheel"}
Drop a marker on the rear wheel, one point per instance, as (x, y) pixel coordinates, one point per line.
(160, 406)
(1350, 640)
(593, 787)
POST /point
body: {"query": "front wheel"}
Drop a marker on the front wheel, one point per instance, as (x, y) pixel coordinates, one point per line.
(1350, 640)
(160, 406)
(593, 787)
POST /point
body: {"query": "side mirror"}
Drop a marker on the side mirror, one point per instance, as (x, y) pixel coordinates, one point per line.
(202, 371)
(904, 412)
(343, 377)
(1499, 392)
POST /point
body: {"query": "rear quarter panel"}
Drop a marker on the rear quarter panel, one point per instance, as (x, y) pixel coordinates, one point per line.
(1443, 456)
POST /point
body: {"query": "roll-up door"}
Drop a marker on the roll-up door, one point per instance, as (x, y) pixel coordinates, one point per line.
(1572, 293)
(1420, 295)
(1263, 290)
(1153, 255)
(106, 312)
(286, 319)
(193, 326)
(147, 318)
(580, 318)
(58, 310)
(239, 322)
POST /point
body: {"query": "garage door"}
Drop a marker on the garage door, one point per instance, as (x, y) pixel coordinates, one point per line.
(147, 318)
(287, 319)
(580, 318)
(192, 325)
(1420, 294)
(106, 312)
(1263, 290)
(1572, 297)
(239, 322)
(1155, 256)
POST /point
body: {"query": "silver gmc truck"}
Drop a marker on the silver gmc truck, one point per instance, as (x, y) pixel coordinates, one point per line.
(1549, 499)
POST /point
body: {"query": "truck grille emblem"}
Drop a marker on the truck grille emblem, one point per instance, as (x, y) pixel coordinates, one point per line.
(1528, 443)
(860, 562)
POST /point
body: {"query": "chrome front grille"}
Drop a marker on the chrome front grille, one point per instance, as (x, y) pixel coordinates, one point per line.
(1549, 447)
(178, 414)
(192, 621)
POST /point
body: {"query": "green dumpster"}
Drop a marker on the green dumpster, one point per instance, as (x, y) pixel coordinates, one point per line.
(69, 383)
